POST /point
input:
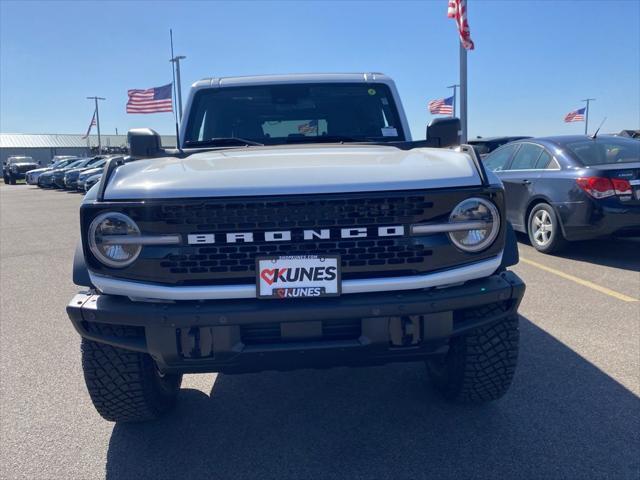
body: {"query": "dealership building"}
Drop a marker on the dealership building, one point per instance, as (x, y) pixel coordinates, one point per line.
(43, 147)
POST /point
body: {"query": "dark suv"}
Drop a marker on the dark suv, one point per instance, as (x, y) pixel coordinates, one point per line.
(15, 168)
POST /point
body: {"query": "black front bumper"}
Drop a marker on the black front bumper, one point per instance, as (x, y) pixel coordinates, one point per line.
(235, 336)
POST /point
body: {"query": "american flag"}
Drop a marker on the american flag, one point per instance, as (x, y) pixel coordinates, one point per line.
(151, 100)
(575, 116)
(458, 11)
(442, 106)
(308, 127)
(91, 125)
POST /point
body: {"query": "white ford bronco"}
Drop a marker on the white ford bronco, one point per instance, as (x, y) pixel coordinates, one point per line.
(296, 226)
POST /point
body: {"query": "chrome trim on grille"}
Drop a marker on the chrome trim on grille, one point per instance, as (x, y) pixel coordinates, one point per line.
(141, 240)
(420, 229)
(139, 290)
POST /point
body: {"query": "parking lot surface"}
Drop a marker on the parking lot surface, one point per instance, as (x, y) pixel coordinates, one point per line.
(572, 412)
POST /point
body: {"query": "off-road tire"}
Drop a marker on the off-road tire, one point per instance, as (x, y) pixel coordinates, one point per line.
(480, 365)
(126, 386)
(557, 241)
(12, 180)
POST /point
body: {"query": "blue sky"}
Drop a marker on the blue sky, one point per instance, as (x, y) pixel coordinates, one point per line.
(534, 60)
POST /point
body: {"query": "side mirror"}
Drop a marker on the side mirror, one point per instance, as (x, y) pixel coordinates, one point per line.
(144, 142)
(444, 132)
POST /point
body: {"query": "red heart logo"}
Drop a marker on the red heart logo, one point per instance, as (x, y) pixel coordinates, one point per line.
(281, 292)
(268, 275)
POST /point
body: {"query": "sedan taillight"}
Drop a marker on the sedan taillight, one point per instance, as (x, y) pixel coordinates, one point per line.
(622, 186)
(597, 187)
(601, 187)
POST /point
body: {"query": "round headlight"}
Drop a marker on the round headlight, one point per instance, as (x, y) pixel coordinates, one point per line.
(481, 212)
(109, 239)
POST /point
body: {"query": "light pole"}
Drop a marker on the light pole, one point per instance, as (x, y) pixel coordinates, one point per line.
(586, 114)
(95, 99)
(176, 60)
(454, 97)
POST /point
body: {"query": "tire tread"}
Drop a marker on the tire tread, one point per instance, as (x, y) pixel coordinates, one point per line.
(122, 384)
(481, 364)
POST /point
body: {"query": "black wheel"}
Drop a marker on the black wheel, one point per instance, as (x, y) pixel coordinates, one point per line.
(6, 179)
(12, 179)
(126, 386)
(544, 229)
(479, 366)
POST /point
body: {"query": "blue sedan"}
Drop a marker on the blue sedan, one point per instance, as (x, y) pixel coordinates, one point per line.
(567, 188)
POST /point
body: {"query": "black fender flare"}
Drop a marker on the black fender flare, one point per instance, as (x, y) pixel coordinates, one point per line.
(510, 255)
(80, 270)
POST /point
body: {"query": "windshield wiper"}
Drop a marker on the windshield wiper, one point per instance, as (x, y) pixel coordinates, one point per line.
(221, 141)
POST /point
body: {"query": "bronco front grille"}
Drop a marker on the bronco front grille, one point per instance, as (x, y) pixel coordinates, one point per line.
(356, 255)
(234, 263)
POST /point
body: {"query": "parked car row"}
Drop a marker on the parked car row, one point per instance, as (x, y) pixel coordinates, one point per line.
(31, 177)
(69, 173)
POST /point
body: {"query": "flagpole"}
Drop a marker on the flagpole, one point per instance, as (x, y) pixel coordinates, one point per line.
(463, 94)
(586, 115)
(95, 99)
(176, 60)
(454, 97)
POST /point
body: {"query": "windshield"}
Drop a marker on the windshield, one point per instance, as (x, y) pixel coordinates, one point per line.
(276, 114)
(604, 150)
(74, 164)
(98, 164)
(62, 163)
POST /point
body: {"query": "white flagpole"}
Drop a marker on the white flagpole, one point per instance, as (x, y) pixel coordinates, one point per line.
(463, 92)
(454, 97)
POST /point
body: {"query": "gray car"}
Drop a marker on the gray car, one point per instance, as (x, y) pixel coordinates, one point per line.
(86, 174)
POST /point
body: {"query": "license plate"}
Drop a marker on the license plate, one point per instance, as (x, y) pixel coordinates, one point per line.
(286, 277)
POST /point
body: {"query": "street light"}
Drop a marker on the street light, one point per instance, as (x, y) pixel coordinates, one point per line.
(176, 60)
(95, 99)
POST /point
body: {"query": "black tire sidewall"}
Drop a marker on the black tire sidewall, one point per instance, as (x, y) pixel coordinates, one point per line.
(557, 237)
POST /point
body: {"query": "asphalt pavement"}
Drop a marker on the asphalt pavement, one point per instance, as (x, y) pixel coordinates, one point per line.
(573, 410)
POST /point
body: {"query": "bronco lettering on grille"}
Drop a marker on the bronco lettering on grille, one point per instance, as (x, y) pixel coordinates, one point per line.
(287, 235)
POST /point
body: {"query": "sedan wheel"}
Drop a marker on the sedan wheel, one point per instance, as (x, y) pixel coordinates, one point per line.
(544, 229)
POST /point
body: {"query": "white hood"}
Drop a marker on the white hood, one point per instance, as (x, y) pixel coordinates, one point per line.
(297, 169)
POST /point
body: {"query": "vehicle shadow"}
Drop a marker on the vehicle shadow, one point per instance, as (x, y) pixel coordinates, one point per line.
(563, 418)
(615, 252)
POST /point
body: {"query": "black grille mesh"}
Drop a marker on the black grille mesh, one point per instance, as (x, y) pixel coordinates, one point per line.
(241, 258)
(253, 216)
